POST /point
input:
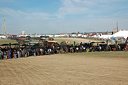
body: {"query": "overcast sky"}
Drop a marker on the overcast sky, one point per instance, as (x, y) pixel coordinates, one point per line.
(63, 16)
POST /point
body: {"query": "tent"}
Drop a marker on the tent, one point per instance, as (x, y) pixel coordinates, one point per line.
(121, 33)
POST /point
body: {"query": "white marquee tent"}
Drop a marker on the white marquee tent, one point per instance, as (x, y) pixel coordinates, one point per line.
(121, 33)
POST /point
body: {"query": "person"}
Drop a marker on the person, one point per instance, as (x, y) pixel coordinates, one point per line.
(127, 48)
(84, 49)
(90, 49)
(15, 54)
(87, 50)
(50, 51)
(71, 49)
(4, 54)
(77, 49)
(80, 49)
(100, 48)
(18, 53)
(9, 54)
(34, 52)
(41, 51)
(107, 48)
(1, 54)
(66, 50)
(23, 52)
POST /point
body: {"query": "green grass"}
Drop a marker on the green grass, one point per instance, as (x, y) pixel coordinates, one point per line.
(94, 39)
(7, 41)
(71, 41)
(60, 40)
(33, 40)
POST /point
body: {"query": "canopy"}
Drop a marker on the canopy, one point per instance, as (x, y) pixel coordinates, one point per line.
(121, 33)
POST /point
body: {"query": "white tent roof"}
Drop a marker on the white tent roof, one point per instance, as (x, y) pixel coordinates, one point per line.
(121, 33)
(105, 36)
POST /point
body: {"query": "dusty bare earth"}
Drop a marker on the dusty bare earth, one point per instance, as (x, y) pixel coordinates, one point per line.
(65, 69)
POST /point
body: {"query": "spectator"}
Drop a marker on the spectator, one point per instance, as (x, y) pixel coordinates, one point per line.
(1, 54)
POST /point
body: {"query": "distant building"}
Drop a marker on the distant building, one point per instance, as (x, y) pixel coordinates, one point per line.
(23, 33)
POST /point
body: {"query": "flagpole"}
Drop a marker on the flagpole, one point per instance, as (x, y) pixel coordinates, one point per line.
(2, 29)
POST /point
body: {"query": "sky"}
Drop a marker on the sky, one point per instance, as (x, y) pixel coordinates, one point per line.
(63, 16)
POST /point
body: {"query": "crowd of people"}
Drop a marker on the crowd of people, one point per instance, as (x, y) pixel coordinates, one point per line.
(10, 53)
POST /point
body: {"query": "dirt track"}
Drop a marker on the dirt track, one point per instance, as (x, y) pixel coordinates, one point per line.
(65, 69)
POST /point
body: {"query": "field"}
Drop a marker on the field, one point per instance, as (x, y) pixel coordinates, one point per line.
(7, 41)
(59, 40)
(95, 68)
(77, 40)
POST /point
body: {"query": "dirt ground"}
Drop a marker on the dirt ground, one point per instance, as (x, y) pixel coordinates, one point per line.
(66, 69)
